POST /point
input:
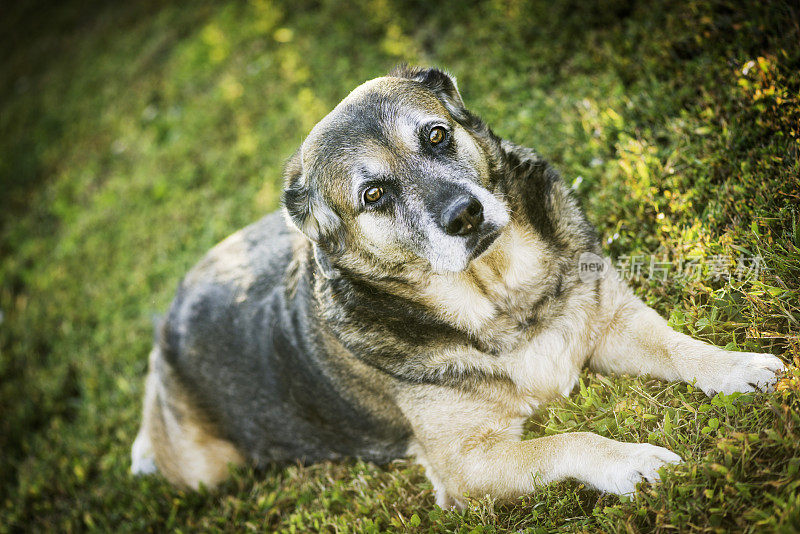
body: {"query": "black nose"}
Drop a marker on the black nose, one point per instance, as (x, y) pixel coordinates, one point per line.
(463, 216)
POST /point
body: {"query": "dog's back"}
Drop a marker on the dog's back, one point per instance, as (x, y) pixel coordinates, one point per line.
(239, 350)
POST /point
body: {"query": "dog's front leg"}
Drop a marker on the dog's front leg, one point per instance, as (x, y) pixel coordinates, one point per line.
(468, 444)
(637, 340)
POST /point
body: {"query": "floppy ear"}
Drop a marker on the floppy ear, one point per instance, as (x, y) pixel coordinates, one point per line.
(310, 214)
(439, 82)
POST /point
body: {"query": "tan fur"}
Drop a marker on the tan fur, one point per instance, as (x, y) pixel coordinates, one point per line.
(470, 151)
(228, 260)
(487, 294)
(470, 446)
(184, 446)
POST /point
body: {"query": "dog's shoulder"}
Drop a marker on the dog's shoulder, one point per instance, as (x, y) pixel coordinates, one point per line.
(232, 281)
(245, 257)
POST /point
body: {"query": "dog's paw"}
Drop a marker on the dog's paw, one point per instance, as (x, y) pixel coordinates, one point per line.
(142, 459)
(628, 464)
(742, 372)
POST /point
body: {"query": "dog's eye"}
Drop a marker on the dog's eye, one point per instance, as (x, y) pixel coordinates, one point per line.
(437, 135)
(372, 194)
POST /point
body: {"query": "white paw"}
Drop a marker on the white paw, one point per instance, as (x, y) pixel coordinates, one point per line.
(142, 461)
(742, 372)
(628, 464)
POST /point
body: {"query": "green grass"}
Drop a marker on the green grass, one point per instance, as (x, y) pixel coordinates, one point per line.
(136, 135)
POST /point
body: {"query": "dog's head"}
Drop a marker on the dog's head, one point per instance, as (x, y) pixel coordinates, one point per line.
(398, 172)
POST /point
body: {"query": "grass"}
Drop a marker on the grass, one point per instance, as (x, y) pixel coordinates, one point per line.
(135, 135)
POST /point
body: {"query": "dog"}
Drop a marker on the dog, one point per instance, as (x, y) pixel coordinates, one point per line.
(423, 290)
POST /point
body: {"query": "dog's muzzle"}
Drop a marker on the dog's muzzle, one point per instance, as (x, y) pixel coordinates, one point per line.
(464, 218)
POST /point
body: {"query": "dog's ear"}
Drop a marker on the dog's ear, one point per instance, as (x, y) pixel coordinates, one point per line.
(310, 214)
(439, 82)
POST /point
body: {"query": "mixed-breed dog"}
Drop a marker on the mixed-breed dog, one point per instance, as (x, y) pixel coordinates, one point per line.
(420, 294)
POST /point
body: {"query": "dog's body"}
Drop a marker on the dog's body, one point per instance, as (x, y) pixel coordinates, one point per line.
(422, 296)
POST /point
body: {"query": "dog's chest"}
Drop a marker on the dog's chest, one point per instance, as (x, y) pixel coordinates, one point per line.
(547, 366)
(495, 296)
(530, 327)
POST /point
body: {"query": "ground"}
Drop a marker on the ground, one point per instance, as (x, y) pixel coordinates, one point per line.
(135, 135)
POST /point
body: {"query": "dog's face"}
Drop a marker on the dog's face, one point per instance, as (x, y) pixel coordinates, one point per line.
(393, 174)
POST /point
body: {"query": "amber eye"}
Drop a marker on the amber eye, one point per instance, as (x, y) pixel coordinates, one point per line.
(437, 135)
(373, 194)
